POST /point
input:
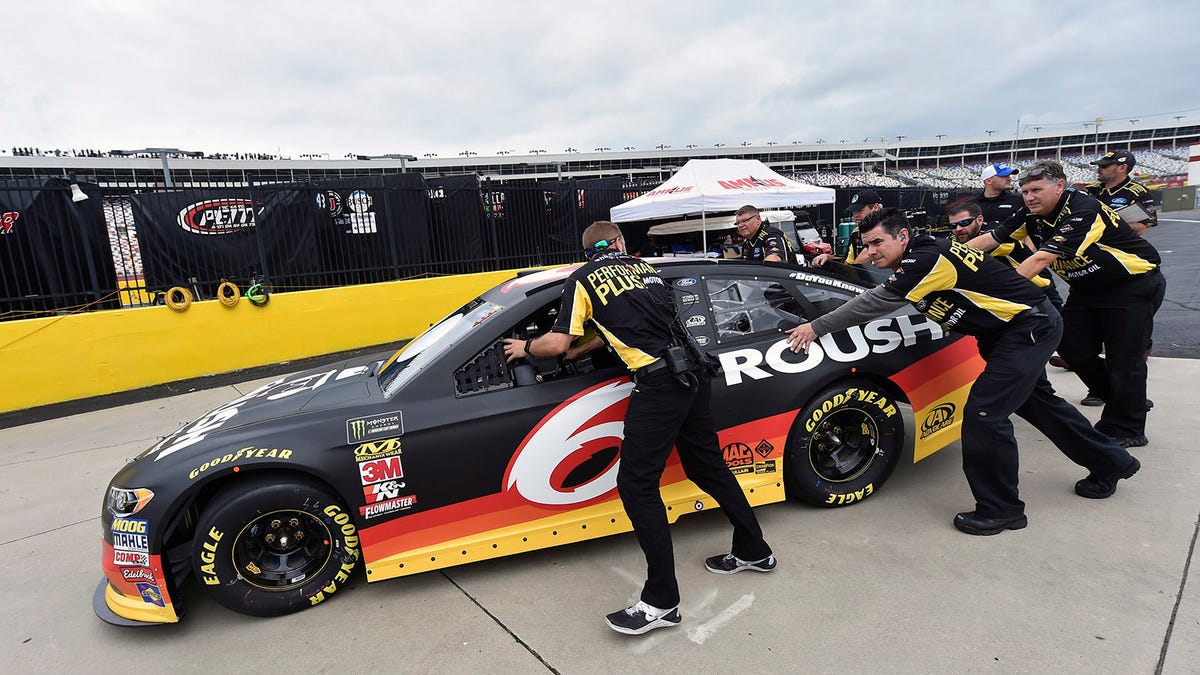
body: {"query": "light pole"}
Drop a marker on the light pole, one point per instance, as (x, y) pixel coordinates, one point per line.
(404, 159)
(162, 154)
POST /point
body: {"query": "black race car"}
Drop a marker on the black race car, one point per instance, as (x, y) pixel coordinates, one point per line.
(444, 453)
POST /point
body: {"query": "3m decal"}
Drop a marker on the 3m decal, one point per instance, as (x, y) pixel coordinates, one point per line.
(939, 418)
(377, 449)
(879, 337)
(244, 453)
(376, 426)
(379, 470)
(150, 594)
(585, 427)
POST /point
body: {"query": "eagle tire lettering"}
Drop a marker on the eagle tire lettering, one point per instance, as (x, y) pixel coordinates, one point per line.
(245, 532)
(844, 444)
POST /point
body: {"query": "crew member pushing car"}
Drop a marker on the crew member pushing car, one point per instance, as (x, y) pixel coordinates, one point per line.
(631, 307)
(968, 291)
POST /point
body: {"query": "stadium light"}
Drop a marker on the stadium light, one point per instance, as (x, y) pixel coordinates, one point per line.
(404, 159)
(162, 154)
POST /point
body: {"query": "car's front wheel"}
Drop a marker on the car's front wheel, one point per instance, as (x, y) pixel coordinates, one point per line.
(267, 547)
(844, 444)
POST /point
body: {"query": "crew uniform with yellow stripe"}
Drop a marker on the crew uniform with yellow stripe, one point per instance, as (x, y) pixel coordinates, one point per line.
(971, 292)
(632, 309)
(1116, 287)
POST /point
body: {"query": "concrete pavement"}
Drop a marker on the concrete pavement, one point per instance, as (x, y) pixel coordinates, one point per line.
(886, 585)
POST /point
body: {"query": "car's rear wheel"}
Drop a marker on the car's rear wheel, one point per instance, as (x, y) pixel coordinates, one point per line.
(269, 547)
(844, 444)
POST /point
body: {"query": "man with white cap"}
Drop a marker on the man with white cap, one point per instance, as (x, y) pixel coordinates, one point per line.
(997, 201)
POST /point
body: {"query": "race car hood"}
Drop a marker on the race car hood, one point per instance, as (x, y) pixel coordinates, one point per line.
(328, 385)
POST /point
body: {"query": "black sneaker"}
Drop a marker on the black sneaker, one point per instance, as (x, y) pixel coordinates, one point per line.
(1130, 441)
(642, 618)
(972, 524)
(731, 564)
(1092, 401)
(1097, 487)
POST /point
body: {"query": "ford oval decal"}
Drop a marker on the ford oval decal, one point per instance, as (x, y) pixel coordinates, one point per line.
(684, 283)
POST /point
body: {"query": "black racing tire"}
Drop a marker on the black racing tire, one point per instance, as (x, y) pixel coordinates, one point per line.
(844, 445)
(267, 547)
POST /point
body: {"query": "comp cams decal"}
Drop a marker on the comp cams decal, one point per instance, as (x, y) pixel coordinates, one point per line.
(879, 337)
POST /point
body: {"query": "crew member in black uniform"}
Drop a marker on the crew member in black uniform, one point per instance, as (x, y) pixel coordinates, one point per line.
(966, 222)
(1016, 327)
(1116, 287)
(630, 306)
(1117, 190)
(761, 241)
(861, 205)
(997, 201)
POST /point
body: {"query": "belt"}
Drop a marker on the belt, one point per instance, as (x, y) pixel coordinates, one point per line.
(1042, 309)
(658, 365)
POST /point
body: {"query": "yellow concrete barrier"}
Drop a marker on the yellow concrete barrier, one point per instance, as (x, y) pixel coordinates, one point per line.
(51, 360)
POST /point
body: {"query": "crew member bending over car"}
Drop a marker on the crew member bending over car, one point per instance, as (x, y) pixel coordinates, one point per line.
(1017, 328)
(760, 241)
(631, 307)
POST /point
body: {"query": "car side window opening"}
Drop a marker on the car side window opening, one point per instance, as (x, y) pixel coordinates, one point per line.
(748, 307)
(488, 370)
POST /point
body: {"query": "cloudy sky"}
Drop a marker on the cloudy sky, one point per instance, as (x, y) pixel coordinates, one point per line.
(445, 77)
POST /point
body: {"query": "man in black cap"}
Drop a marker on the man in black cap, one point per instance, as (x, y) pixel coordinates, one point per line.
(997, 201)
(761, 241)
(862, 204)
(1115, 188)
(1116, 287)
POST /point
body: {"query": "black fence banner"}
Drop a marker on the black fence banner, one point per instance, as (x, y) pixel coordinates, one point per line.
(458, 226)
(54, 250)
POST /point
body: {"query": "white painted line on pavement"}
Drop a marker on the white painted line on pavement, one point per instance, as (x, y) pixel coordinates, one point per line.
(706, 630)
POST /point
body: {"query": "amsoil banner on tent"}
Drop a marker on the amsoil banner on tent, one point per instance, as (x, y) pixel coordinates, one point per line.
(375, 228)
(195, 238)
(54, 252)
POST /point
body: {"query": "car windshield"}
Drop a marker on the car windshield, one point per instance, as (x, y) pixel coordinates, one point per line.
(415, 355)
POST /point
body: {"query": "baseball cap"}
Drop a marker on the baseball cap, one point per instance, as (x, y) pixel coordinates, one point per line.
(998, 169)
(863, 198)
(1116, 157)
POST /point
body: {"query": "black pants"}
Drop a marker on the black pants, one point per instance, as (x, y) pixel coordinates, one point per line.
(662, 412)
(1120, 320)
(1014, 381)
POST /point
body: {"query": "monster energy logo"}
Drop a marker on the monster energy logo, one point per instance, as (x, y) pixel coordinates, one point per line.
(376, 426)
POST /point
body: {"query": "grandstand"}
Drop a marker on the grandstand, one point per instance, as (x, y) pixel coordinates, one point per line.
(947, 163)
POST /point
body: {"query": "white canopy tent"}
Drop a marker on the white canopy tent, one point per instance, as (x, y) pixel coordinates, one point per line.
(706, 186)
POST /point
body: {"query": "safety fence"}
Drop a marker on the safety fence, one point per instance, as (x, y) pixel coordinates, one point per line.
(70, 246)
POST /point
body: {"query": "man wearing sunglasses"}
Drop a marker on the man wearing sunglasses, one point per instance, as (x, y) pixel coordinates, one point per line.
(761, 241)
(1016, 327)
(967, 221)
(1115, 188)
(1116, 287)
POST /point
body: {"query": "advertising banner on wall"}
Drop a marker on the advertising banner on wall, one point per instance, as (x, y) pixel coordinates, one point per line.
(54, 248)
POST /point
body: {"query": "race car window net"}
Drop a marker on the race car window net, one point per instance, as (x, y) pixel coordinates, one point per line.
(748, 307)
(487, 371)
(414, 356)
